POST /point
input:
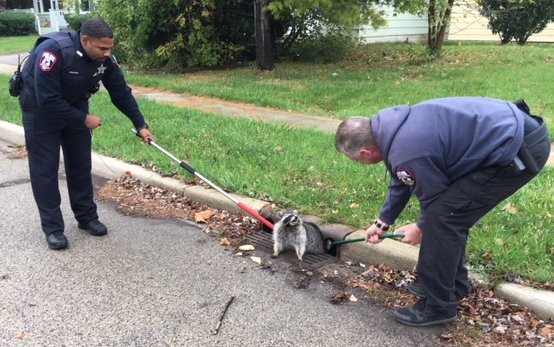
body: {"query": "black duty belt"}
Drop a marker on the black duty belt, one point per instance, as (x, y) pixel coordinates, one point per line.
(534, 131)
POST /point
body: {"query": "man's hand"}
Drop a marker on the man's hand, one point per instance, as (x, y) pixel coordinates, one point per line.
(92, 122)
(412, 232)
(372, 235)
(146, 135)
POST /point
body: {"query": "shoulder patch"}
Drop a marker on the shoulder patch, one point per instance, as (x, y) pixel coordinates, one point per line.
(47, 61)
(405, 176)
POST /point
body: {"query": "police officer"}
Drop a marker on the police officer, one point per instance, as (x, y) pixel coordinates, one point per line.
(460, 157)
(62, 72)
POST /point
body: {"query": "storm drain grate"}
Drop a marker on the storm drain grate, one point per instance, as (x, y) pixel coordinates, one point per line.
(262, 241)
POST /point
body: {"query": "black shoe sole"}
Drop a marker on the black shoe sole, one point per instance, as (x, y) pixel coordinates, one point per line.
(58, 247)
(90, 232)
(427, 323)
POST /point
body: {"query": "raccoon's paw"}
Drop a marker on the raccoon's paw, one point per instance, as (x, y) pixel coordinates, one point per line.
(274, 255)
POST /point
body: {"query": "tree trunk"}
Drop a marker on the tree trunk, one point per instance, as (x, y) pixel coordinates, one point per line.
(264, 42)
(437, 22)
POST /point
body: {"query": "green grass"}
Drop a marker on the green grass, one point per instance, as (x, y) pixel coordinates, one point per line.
(297, 168)
(379, 76)
(17, 44)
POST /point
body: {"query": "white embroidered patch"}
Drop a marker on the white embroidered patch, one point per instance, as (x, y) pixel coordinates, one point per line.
(47, 61)
(405, 176)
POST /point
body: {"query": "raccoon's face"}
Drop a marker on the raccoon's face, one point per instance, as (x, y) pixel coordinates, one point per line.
(291, 219)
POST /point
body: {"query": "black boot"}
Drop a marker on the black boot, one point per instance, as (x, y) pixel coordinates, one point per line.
(422, 314)
(57, 240)
(95, 227)
(416, 288)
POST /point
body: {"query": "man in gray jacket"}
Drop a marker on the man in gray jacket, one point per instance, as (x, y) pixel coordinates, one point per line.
(460, 157)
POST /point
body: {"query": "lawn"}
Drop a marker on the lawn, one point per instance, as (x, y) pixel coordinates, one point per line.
(17, 44)
(379, 76)
(299, 168)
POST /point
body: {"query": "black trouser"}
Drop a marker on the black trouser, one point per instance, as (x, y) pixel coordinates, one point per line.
(44, 154)
(441, 269)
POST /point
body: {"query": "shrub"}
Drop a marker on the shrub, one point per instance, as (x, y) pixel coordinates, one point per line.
(14, 23)
(76, 20)
(321, 48)
(517, 19)
(177, 34)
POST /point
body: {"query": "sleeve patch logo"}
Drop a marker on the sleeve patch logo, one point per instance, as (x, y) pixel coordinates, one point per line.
(405, 177)
(47, 61)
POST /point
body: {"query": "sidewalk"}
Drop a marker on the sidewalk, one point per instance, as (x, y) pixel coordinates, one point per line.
(395, 253)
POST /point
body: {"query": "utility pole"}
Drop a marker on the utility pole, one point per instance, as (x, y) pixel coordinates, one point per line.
(264, 43)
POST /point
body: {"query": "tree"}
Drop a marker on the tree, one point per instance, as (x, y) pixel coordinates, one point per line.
(298, 19)
(517, 19)
(264, 42)
(438, 18)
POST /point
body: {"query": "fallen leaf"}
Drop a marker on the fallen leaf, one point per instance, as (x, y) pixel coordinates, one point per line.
(354, 206)
(202, 217)
(547, 332)
(517, 319)
(224, 242)
(487, 256)
(501, 329)
(20, 335)
(499, 242)
(339, 298)
(256, 260)
(247, 248)
(510, 208)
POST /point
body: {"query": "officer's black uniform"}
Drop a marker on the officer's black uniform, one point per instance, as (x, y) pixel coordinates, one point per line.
(58, 80)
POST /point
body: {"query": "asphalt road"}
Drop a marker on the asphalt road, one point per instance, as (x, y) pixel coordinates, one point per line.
(159, 283)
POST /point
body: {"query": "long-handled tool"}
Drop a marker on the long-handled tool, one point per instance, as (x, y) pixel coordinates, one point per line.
(191, 170)
(329, 244)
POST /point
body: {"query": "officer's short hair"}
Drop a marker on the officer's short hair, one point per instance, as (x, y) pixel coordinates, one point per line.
(96, 28)
(353, 135)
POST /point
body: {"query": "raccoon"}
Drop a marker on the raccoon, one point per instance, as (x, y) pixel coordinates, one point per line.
(294, 234)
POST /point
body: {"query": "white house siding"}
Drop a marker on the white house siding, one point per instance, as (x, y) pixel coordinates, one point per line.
(402, 27)
(468, 25)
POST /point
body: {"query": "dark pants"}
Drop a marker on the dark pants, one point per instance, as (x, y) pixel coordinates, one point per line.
(44, 154)
(441, 269)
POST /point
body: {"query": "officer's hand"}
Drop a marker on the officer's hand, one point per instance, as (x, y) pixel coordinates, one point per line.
(372, 235)
(92, 122)
(412, 232)
(146, 135)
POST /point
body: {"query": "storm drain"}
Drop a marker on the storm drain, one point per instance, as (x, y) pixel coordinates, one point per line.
(263, 242)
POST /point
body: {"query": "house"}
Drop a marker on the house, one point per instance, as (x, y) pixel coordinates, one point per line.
(467, 24)
(400, 27)
(49, 14)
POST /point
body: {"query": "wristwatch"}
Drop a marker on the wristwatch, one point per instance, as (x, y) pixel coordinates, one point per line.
(381, 226)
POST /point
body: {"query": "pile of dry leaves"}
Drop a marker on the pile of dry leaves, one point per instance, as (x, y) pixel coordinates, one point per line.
(485, 319)
(138, 199)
